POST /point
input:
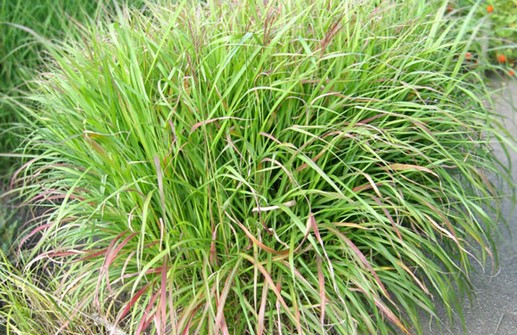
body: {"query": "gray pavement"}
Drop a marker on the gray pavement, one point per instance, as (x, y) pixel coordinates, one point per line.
(493, 311)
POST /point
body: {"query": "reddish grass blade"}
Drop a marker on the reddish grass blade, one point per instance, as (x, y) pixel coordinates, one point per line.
(93, 254)
(96, 146)
(110, 257)
(205, 122)
(51, 254)
(386, 311)
(219, 319)
(314, 225)
(34, 232)
(362, 188)
(256, 241)
(450, 231)
(271, 283)
(163, 297)
(277, 305)
(362, 258)
(147, 317)
(271, 137)
(234, 147)
(370, 119)
(298, 318)
(415, 278)
(314, 159)
(321, 282)
(132, 301)
(262, 309)
(334, 29)
(16, 173)
(186, 330)
(488, 183)
(410, 167)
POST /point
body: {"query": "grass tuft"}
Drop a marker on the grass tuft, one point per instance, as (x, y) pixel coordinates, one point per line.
(306, 167)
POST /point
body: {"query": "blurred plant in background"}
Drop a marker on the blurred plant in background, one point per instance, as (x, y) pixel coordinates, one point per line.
(495, 28)
(20, 57)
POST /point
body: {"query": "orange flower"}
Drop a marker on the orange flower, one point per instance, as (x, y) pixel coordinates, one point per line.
(511, 73)
(468, 56)
(501, 58)
(489, 8)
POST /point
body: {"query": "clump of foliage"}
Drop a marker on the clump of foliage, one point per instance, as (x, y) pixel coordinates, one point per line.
(307, 167)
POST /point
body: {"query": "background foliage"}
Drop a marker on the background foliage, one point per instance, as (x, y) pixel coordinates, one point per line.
(495, 27)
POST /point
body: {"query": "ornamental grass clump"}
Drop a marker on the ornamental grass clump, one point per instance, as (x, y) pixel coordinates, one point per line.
(306, 167)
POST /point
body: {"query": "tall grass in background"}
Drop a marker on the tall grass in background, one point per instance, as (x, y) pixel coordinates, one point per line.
(24, 24)
(307, 167)
(21, 21)
(20, 55)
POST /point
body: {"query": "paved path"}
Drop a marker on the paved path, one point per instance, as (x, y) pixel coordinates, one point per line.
(494, 309)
